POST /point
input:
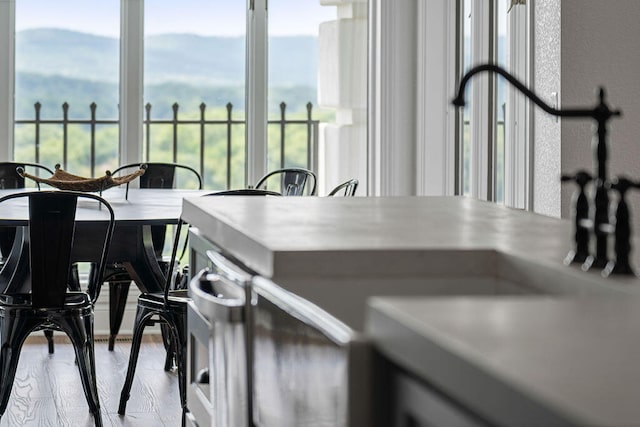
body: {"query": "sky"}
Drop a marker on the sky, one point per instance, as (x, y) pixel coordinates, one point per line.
(204, 17)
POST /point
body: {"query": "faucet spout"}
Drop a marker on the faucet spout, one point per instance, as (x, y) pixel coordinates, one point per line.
(601, 112)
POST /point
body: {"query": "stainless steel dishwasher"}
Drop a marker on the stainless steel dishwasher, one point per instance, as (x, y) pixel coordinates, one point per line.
(217, 392)
(309, 368)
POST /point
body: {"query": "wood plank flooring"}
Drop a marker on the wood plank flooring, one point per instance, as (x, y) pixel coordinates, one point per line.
(47, 390)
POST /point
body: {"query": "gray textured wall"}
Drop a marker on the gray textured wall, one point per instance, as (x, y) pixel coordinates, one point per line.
(601, 46)
(546, 185)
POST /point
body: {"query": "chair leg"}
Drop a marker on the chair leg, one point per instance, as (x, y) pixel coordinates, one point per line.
(179, 329)
(142, 316)
(176, 327)
(13, 334)
(118, 292)
(48, 334)
(170, 347)
(80, 332)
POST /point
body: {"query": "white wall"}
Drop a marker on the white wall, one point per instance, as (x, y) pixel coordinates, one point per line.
(547, 137)
(600, 46)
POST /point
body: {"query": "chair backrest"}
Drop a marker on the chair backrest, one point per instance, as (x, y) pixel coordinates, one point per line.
(346, 189)
(10, 178)
(289, 182)
(160, 175)
(52, 219)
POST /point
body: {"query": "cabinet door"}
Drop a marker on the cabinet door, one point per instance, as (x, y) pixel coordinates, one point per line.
(416, 405)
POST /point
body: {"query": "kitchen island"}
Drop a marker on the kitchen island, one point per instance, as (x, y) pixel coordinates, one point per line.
(337, 253)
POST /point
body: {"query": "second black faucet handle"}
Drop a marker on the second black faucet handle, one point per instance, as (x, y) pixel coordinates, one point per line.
(582, 222)
(622, 221)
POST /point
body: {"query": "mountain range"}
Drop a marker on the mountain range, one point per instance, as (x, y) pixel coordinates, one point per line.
(85, 68)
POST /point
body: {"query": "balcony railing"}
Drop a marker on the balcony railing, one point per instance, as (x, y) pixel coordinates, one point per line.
(284, 137)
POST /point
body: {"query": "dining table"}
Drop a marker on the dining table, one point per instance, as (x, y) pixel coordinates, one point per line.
(131, 245)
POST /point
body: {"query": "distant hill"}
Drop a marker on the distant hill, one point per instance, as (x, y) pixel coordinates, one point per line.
(182, 68)
(208, 61)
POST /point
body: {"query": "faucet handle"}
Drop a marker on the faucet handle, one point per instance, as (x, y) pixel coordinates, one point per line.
(582, 223)
(622, 229)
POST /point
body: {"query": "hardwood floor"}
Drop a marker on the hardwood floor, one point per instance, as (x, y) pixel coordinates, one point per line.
(47, 390)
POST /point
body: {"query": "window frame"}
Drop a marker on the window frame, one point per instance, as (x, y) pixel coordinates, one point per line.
(436, 167)
(7, 76)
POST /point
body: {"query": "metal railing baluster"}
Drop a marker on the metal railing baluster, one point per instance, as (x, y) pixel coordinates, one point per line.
(65, 136)
(93, 107)
(203, 107)
(311, 125)
(229, 122)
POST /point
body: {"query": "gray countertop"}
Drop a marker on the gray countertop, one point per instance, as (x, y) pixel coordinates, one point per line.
(281, 237)
(520, 361)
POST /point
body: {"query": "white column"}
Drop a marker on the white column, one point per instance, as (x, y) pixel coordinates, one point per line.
(7, 76)
(392, 98)
(342, 86)
(131, 79)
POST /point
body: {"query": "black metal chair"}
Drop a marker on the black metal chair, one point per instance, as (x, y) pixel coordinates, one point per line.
(11, 179)
(289, 182)
(157, 175)
(170, 308)
(346, 189)
(50, 305)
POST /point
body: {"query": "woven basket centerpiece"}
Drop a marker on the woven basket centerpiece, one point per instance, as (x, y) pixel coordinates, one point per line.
(66, 181)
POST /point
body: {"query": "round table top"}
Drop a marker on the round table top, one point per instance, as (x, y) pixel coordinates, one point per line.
(147, 206)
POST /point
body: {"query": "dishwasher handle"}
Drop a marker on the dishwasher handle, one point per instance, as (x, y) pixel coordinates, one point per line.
(218, 299)
(228, 269)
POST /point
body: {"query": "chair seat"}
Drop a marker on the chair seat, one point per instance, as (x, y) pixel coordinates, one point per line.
(177, 299)
(72, 300)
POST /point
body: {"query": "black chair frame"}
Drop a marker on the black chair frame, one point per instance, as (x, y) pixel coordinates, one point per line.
(346, 189)
(157, 175)
(50, 305)
(170, 309)
(293, 181)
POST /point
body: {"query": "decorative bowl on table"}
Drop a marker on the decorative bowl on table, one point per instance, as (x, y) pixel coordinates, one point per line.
(66, 181)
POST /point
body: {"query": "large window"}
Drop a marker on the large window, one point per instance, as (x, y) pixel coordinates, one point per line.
(226, 86)
(293, 27)
(484, 41)
(194, 69)
(495, 120)
(63, 65)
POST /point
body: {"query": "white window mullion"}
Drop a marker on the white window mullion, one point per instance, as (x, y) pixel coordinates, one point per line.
(131, 80)
(435, 86)
(517, 172)
(256, 89)
(7, 77)
(481, 105)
